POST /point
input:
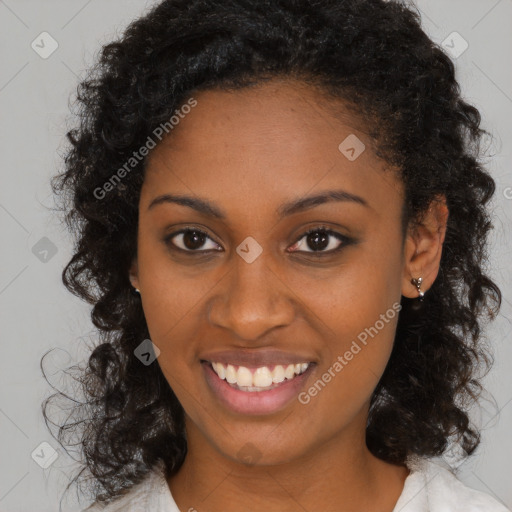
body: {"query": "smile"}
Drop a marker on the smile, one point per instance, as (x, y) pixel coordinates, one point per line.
(257, 379)
(255, 390)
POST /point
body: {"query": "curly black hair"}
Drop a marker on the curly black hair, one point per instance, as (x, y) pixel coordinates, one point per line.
(374, 56)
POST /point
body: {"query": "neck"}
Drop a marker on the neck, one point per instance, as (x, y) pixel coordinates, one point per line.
(340, 474)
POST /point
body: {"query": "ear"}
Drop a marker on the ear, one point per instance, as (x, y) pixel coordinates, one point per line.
(423, 247)
(134, 274)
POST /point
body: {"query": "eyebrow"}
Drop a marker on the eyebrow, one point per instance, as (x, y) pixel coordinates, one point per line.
(297, 205)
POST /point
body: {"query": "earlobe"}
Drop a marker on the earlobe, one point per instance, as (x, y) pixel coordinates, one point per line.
(423, 249)
(133, 274)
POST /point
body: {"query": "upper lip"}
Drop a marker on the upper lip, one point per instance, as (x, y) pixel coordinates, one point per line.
(255, 357)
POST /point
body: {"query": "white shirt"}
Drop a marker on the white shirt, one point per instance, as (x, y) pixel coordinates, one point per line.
(428, 488)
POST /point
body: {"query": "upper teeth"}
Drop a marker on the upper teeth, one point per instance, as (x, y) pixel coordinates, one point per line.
(261, 377)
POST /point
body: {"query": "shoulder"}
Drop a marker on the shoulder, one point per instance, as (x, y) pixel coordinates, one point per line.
(152, 493)
(432, 487)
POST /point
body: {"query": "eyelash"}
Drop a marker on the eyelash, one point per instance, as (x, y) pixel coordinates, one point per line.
(343, 239)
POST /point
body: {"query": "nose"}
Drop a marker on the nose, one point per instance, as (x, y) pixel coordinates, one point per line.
(251, 300)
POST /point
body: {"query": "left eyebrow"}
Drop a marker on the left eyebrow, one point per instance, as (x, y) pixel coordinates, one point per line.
(318, 199)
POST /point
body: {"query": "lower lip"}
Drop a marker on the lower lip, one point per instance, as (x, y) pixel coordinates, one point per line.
(255, 402)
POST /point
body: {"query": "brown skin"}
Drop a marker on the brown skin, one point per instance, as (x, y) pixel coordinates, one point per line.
(248, 152)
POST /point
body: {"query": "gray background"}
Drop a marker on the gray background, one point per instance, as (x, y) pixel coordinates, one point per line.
(39, 314)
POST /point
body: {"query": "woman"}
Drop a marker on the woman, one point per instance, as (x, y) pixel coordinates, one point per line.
(282, 225)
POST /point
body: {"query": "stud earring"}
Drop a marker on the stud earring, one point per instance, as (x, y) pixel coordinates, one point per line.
(417, 283)
(136, 291)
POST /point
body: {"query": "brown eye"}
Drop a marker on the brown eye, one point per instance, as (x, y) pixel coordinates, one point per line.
(317, 240)
(190, 240)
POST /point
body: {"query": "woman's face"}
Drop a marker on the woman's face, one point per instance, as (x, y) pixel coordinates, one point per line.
(261, 167)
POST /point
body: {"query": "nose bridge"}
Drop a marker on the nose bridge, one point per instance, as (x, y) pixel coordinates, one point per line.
(253, 299)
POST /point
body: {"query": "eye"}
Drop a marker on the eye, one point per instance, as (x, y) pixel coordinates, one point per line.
(316, 241)
(190, 240)
(321, 240)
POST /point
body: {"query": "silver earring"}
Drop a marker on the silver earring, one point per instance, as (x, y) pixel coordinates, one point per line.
(417, 283)
(137, 290)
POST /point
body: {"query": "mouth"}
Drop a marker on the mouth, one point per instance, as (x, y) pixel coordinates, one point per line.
(256, 389)
(257, 379)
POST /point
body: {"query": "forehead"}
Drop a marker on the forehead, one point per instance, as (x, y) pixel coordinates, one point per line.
(277, 139)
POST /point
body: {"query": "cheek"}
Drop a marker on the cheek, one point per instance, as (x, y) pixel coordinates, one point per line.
(172, 303)
(351, 297)
(358, 328)
(358, 339)
(356, 312)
